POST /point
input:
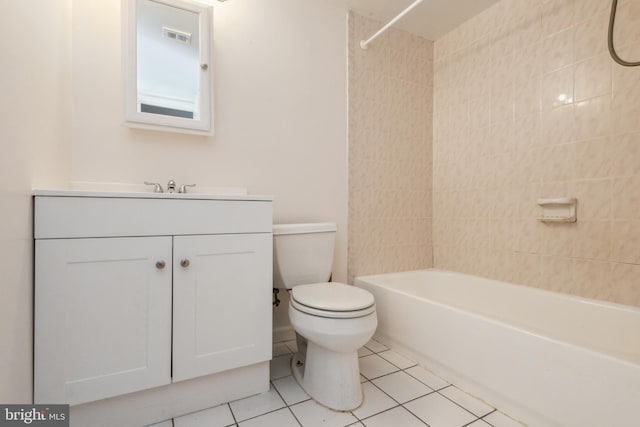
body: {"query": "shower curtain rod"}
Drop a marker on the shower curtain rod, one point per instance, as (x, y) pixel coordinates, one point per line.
(364, 43)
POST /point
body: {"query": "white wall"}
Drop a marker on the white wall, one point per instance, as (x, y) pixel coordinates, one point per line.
(280, 80)
(280, 101)
(34, 141)
(280, 110)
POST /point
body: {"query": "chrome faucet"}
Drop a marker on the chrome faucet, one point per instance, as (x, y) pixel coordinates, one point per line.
(171, 187)
(183, 188)
(157, 188)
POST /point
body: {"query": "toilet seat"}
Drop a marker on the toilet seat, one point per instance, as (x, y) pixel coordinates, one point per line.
(332, 300)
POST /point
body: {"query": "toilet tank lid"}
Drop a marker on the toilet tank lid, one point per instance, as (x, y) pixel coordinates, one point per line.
(318, 227)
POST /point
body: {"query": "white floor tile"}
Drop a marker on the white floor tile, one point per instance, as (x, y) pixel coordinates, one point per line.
(358, 424)
(467, 401)
(427, 377)
(279, 418)
(311, 414)
(167, 423)
(397, 359)
(375, 401)
(290, 391)
(364, 351)
(498, 419)
(375, 346)
(373, 366)
(256, 405)
(402, 387)
(280, 366)
(437, 411)
(394, 417)
(478, 423)
(280, 349)
(219, 416)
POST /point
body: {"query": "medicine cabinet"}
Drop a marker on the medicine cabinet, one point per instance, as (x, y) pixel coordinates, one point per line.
(167, 65)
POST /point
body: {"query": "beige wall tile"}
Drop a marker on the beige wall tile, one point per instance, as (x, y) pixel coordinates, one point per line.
(591, 240)
(545, 113)
(593, 118)
(449, 155)
(557, 50)
(593, 279)
(556, 274)
(594, 199)
(626, 198)
(390, 150)
(588, 36)
(625, 154)
(585, 9)
(627, 28)
(625, 242)
(593, 158)
(557, 15)
(557, 88)
(593, 77)
(626, 77)
(625, 285)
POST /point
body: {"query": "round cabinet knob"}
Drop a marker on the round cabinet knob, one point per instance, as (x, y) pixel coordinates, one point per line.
(184, 263)
(204, 67)
(160, 265)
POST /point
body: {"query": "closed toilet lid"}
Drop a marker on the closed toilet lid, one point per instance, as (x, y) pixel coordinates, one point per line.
(332, 296)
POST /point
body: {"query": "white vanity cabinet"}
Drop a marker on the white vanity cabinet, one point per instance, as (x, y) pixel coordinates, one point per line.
(133, 293)
(217, 309)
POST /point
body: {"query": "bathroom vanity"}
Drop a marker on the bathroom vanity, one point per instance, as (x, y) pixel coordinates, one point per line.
(151, 305)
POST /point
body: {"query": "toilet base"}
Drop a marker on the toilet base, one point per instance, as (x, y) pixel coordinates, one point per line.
(328, 377)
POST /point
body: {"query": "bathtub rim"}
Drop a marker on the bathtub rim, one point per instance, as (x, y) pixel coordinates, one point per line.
(631, 361)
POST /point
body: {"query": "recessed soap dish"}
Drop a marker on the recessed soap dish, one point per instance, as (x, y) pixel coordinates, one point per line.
(561, 209)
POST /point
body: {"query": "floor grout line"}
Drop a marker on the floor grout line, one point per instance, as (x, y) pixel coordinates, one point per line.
(397, 404)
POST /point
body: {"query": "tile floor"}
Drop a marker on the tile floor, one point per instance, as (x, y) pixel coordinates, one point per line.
(398, 393)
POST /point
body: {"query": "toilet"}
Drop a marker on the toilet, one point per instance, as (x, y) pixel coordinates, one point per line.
(332, 320)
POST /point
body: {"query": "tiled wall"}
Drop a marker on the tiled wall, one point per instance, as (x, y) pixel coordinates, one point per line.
(390, 140)
(528, 104)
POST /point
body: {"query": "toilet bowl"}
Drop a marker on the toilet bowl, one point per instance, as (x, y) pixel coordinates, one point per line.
(332, 320)
(328, 368)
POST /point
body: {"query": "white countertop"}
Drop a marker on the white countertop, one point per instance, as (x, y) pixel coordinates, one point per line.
(150, 195)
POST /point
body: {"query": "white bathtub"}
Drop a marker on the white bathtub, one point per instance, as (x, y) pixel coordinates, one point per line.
(547, 359)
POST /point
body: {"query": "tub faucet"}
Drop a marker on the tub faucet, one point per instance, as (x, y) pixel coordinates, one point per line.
(171, 186)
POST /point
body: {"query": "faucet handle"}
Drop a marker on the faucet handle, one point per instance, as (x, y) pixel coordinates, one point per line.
(183, 188)
(158, 187)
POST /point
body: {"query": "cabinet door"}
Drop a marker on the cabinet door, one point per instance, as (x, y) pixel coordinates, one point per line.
(102, 317)
(221, 303)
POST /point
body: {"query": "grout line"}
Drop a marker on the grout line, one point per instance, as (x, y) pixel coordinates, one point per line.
(389, 409)
(469, 423)
(265, 413)
(453, 401)
(421, 420)
(398, 404)
(418, 379)
(235, 421)
(486, 415)
(286, 404)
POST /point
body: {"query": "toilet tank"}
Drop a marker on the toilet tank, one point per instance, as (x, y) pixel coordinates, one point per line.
(302, 253)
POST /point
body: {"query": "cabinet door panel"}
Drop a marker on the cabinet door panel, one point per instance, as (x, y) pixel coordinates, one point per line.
(103, 322)
(221, 303)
